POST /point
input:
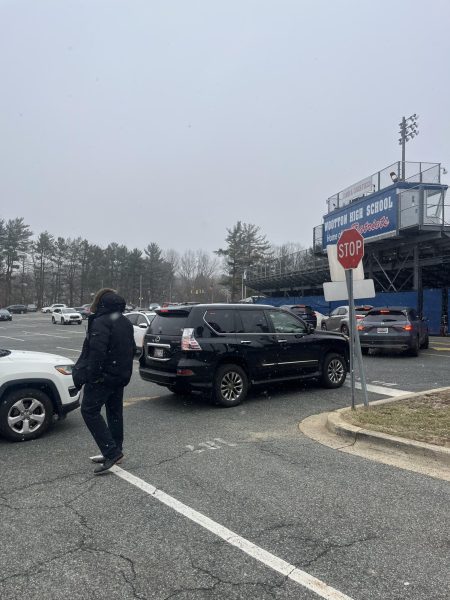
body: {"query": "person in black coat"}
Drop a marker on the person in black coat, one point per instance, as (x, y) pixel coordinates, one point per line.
(104, 368)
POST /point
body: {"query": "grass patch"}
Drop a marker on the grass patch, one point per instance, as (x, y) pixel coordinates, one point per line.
(423, 418)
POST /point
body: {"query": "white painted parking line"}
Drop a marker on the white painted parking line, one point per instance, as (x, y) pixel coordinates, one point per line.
(83, 333)
(263, 556)
(62, 337)
(11, 338)
(378, 389)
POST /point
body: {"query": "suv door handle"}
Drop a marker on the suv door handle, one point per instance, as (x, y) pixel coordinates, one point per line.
(246, 341)
(282, 341)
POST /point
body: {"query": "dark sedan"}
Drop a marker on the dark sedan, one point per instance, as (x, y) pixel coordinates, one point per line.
(393, 328)
(303, 311)
(17, 309)
(5, 315)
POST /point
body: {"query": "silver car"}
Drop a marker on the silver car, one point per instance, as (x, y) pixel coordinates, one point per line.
(339, 318)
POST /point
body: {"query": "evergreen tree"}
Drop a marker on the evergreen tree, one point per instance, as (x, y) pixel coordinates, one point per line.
(245, 247)
(14, 242)
(42, 252)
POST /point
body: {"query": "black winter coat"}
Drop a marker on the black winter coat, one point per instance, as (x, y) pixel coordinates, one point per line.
(109, 348)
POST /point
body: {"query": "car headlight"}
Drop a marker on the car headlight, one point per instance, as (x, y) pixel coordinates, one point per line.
(64, 369)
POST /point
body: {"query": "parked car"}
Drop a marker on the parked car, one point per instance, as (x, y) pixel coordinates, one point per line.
(18, 309)
(140, 322)
(393, 328)
(66, 316)
(34, 386)
(31, 307)
(5, 315)
(303, 311)
(339, 318)
(84, 312)
(51, 308)
(226, 348)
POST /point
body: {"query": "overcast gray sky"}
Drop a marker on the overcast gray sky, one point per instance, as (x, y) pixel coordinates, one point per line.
(137, 121)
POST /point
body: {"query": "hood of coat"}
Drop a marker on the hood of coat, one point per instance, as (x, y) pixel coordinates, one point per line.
(106, 301)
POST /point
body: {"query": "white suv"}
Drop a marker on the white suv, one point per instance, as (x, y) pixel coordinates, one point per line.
(51, 308)
(34, 386)
(66, 316)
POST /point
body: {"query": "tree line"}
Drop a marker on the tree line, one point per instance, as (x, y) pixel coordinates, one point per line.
(43, 268)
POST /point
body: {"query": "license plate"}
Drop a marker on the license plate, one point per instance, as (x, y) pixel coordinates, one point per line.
(382, 329)
(158, 352)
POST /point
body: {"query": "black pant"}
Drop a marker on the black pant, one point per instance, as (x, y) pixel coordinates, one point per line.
(109, 438)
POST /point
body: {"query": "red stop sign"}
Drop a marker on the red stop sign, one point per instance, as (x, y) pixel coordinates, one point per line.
(350, 248)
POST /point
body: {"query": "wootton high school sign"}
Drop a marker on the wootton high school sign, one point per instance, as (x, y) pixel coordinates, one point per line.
(373, 217)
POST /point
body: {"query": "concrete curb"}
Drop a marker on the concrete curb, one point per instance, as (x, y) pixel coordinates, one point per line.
(337, 425)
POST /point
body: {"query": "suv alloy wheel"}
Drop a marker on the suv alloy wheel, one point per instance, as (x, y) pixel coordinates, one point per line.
(230, 385)
(323, 327)
(53, 320)
(334, 370)
(25, 414)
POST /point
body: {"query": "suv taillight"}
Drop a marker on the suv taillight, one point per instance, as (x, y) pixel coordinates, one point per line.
(188, 341)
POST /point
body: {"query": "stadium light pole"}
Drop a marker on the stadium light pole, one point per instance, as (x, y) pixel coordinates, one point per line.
(408, 130)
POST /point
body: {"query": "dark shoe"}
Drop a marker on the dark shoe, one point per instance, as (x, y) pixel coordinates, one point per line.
(107, 464)
(101, 459)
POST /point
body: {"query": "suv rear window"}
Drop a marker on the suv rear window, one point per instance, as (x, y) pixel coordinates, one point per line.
(169, 324)
(299, 309)
(386, 315)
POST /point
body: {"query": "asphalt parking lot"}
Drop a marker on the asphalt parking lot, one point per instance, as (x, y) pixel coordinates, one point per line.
(219, 503)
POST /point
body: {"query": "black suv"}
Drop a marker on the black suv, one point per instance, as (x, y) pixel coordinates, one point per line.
(225, 348)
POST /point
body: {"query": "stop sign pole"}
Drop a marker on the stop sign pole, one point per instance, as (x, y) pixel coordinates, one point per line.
(350, 251)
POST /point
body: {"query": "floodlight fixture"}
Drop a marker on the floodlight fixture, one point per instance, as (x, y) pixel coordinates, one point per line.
(408, 131)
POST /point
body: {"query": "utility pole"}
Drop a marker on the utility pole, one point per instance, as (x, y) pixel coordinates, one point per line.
(140, 291)
(408, 130)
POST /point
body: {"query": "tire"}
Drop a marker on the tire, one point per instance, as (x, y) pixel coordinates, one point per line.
(364, 351)
(414, 350)
(62, 322)
(230, 385)
(344, 330)
(334, 370)
(323, 327)
(426, 343)
(28, 428)
(53, 320)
